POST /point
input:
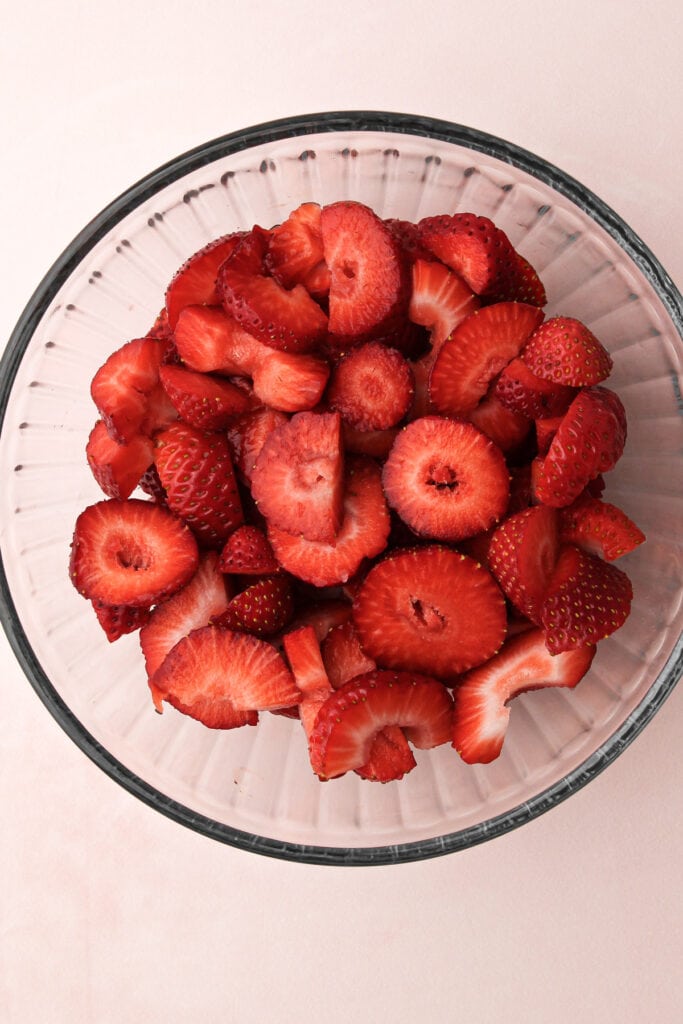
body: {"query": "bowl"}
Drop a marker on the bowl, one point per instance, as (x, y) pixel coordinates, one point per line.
(253, 788)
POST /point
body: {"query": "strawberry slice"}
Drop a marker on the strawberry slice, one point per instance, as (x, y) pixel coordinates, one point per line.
(210, 341)
(322, 615)
(264, 608)
(125, 386)
(247, 552)
(475, 353)
(302, 650)
(472, 246)
(522, 556)
(429, 610)
(375, 443)
(195, 469)
(519, 282)
(363, 533)
(223, 678)
(202, 401)
(290, 381)
(390, 756)
(482, 695)
(545, 432)
(195, 283)
(565, 351)
(445, 479)
(343, 656)
(587, 600)
(247, 435)
(117, 467)
(130, 553)
(295, 251)
(281, 318)
(439, 300)
(117, 620)
(350, 719)
(599, 528)
(298, 477)
(519, 389)
(372, 387)
(507, 428)
(407, 235)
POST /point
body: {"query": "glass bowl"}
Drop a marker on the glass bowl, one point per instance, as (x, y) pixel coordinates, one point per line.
(253, 788)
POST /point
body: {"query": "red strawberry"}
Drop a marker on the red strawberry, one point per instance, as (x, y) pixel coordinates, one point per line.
(472, 246)
(429, 610)
(297, 481)
(151, 485)
(126, 386)
(363, 533)
(589, 441)
(375, 443)
(545, 432)
(263, 609)
(303, 654)
(522, 556)
(350, 719)
(119, 619)
(445, 479)
(247, 434)
(208, 340)
(505, 427)
(195, 282)
(117, 467)
(343, 655)
(195, 469)
(599, 528)
(202, 401)
(522, 391)
(248, 553)
(290, 381)
(519, 282)
(439, 300)
(223, 678)
(587, 599)
(407, 235)
(564, 351)
(281, 318)
(482, 695)
(321, 615)
(475, 353)
(130, 553)
(372, 387)
(520, 488)
(390, 756)
(295, 251)
(161, 329)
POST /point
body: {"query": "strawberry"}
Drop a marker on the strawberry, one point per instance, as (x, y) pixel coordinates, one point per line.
(519, 282)
(363, 533)
(475, 353)
(205, 402)
(210, 341)
(545, 432)
(248, 553)
(264, 608)
(246, 436)
(117, 467)
(119, 619)
(303, 654)
(429, 610)
(589, 440)
(223, 678)
(290, 381)
(439, 300)
(281, 318)
(505, 427)
(350, 719)
(195, 469)
(390, 756)
(161, 329)
(445, 478)
(130, 553)
(322, 615)
(372, 387)
(564, 351)
(343, 655)
(375, 443)
(599, 528)
(295, 251)
(151, 485)
(126, 386)
(297, 480)
(587, 599)
(407, 235)
(482, 695)
(195, 282)
(522, 556)
(519, 389)
(472, 246)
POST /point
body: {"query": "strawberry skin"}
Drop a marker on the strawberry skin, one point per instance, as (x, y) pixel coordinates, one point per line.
(522, 391)
(519, 282)
(565, 351)
(482, 696)
(599, 528)
(195, 283)
(119, 619)
(117, 467)
(247, 435)
(295, 251)
(522, 556)
(264, 608)
(248, 553)
(202, 401)
(472, 246)
(372, 387)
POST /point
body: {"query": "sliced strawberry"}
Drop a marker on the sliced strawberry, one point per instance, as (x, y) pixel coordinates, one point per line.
(284, 319)
(372, 387)
(482, 695)
(130, 553)
(519, 282)
(264, 608)
(407, 235)
(363, 533)
(302, 650)
(522, 556)
(587, 600)
(545, 432)
(247, 434)
(565, 351)
(290, 381)
(520, 488)
(599, 528)
(152, 485)
(195, 282)
(117, 467)
(161, 329)
(375, 443)
(223, 678)
(445, 479)
(429, 610)
(350, 719)
(343, 656)
(298, 477)
(117, 620)
(522, 391)
(295, 251)
(505, 427)
(210, 341)
(247, 552)
(390, 756)
(322, 615)
(205, 402)
(195, 469)
(124, 386)
(472, 246)
(439, 300)
(476, 352)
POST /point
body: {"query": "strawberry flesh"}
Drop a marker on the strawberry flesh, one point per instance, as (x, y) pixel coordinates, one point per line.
(295, 251)
(117, 467)
(372, 387)
(195, 282)
(472, 246)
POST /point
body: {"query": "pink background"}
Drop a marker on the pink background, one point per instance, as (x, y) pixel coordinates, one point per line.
(108, 911)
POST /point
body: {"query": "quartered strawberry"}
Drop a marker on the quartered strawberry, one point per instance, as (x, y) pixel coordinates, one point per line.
(587, 599)
(429, 610)
(195, 282)
(372, 387)
(472, 246)
(522, 391)
(522, 556)
(295, 251)
(290, 381)
(519, 282)
(482, 696)
(247, 434)
(475, 353)
(117, 467)
(439, 300)
(130, 553)
(599, 528)
(195, 469)
(264, 608)
(505, 427)
(343, 656)
(117, 620)
(282, 318)
(247, 552)
(126, 385)
(350, 719)
(363, 533)
(445, 478)
(210, 341)
(565, 351)
(297, 481)
(205, 402)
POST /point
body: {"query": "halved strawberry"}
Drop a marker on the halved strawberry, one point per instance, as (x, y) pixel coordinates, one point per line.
(297, 481)
(195, 469)
(522, 391)
(472, 246)
(264, 608)
(247, 435)
(445, 478)
(519, 282)
(247, 552)
(350, 719)
(587, 599)
(343, 656)
(117, 620)
(429, 610)
(195, 283)
(290, 381)
(295, 251)
(522, 556)
(372, 387)
(505, 427)
(482, 695)
(205, 402)
(130, 552)
(117, 467)
(599, 528)
(439, 300)
(475, 353)
(210, 341)
(363, 533)
(565, 351)
(125, 385)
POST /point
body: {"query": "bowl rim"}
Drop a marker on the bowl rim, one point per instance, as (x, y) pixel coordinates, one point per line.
(204, 154)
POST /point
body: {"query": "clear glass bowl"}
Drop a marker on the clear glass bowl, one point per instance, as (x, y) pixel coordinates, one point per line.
(253, 787)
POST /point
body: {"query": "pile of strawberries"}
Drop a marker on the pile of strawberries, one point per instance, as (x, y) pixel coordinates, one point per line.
(372, 474)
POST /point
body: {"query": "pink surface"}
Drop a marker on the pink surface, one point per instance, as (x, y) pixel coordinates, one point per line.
(108, 911)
